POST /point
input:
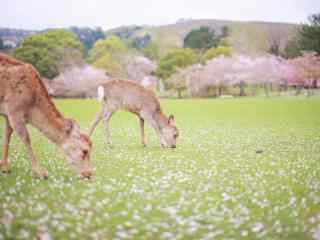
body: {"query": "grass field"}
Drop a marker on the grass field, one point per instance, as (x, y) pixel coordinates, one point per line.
(244, 169)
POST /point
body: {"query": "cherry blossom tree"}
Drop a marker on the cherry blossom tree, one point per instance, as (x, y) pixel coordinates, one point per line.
(242, 73)
(268, 71)
(302, 72)
(239, 70)
(178, 81)
(77, 82)
(217, 75)
(139, 68)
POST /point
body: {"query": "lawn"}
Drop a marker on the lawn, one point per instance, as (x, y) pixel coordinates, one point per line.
(243, 169)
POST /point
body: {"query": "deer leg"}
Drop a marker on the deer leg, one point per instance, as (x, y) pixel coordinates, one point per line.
(7, 136)
(107, 117)
(19, 127)
(143, 140)
(99, 117)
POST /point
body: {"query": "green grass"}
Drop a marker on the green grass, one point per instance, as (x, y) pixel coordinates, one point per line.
(213, 186)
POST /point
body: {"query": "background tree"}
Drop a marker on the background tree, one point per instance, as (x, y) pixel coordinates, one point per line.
(302, 72)
(217, 51)
(124, 32)
(216, 75)
(151, 50)
(170, 63)
(109, 64)
(267, 72)
(309, 35)
(88, 36)
(1, 44)
(240, 73)
(221, 74)
(274, 49)
(225, 31)
(201, 39)
(292, 49)
(51, 52)
(112, 45)
(138, 67)
(141, 42)
(107, 54)
(224, 38)
(178, 81)
(40, 58)
(81, 81)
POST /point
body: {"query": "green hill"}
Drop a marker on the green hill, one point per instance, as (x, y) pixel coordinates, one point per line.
(245, 37)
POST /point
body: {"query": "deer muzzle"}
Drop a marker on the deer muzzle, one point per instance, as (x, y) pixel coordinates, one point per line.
(86, 174)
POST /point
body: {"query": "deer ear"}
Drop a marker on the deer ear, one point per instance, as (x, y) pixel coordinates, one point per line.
(171, 119)
(69, 126)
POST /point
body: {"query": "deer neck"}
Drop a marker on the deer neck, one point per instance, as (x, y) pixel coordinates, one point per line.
(49, 121)
(161, 120)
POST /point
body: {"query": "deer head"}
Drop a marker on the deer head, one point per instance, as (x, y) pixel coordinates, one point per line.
(77, 148)
(169, 133)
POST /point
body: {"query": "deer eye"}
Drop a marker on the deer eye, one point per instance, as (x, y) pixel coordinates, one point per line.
(85, 153)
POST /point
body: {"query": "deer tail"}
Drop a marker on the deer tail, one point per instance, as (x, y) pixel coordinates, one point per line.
(100, 93)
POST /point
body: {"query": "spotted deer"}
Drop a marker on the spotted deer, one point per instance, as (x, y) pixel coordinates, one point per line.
(130, 96)
(25, 100)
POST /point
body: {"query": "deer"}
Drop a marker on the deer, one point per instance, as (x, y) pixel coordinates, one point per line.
(119, 94)
(24, 100)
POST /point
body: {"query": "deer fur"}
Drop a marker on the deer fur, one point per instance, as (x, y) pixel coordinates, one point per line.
(25, 100)
(127, 95)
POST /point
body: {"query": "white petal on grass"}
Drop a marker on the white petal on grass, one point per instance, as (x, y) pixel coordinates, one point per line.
(257, 227)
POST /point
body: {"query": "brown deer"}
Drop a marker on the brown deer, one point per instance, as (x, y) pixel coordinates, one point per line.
(132, 97)
(24, 100)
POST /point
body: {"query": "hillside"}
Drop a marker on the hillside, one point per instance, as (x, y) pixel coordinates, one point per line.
(245, 37)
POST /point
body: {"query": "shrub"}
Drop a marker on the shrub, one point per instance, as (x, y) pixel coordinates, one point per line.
(215, 52)
(51, 52)
(178, 58)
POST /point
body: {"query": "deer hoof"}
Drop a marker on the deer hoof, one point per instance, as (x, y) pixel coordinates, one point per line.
(41, 175)
(6, 171)
(5, 168)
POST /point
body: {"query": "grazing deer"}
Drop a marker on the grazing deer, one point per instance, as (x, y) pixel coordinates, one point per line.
(23, 100)
(127, 95)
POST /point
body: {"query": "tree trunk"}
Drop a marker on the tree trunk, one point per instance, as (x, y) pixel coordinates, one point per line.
(254, 90)
(242, 88)
(219, 91)
(285, 86)
(315, 84)
(266, 90)
(309, 91)
(179, 93)
(280, 90)
(299, 89)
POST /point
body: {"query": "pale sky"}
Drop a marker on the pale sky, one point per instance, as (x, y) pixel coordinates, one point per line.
(40, 14)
